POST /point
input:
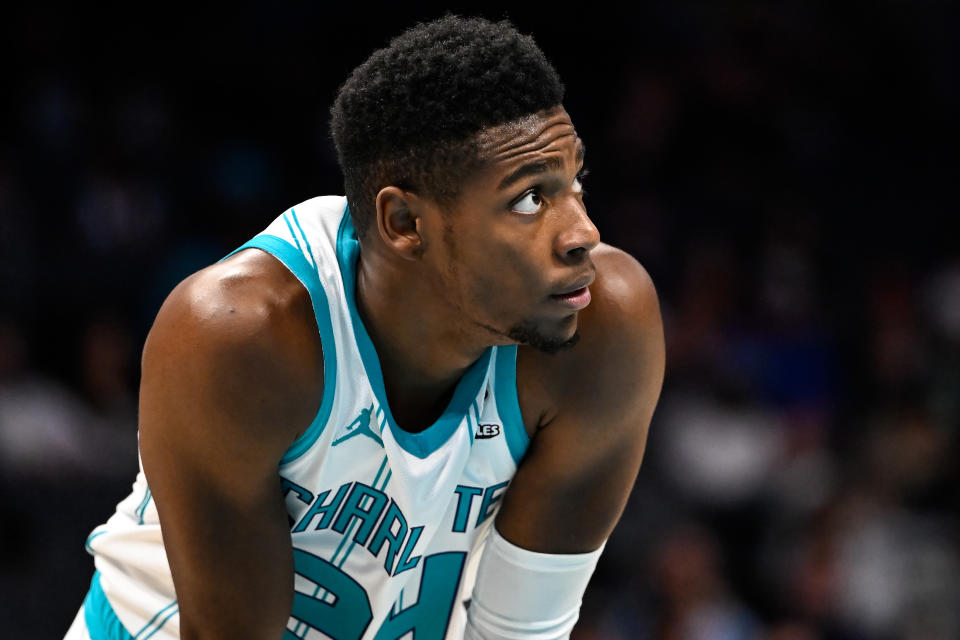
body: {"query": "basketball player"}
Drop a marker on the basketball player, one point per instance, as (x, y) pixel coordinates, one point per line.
(416, 409)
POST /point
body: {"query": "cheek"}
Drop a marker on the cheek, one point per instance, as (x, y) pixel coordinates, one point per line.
(506, 280)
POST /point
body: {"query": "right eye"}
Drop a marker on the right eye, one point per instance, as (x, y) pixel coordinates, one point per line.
(529, 203)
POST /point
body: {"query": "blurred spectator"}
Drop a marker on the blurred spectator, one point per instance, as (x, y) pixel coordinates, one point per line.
(719, 454)
(41, 422)
(48, 431)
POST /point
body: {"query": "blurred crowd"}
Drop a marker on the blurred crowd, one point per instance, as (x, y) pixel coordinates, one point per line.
(784, 171)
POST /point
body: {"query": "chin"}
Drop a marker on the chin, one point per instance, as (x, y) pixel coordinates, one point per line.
(547, 342)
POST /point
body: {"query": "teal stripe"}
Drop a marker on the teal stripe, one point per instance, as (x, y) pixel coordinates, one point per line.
(471, 425)
(296, 221)
(343, 541)
(333, 558)
(143, 501)
(349, 531)
(162, 622)
(154, 618)
(91, 538)
(293, 233)
(354, 542)
(143, 505)
(100, 618)
(508, 405)
(476, 421)
(379, 471)
(307, 275)
(346, 536)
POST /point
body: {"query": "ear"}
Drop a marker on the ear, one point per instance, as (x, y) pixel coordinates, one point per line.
(399, 222)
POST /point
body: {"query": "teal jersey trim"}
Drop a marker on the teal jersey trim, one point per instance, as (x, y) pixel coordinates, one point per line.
(293, 259)
(143, 505)
(91, 538)
(508, 405)
(293, 234)
(153, 625)
(430, 439)
(303, 235)
(102, 622)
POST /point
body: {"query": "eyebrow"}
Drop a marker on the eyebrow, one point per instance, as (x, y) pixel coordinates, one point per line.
(552, 163)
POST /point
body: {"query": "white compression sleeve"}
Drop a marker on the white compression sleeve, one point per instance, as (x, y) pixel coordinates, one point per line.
(525, 595)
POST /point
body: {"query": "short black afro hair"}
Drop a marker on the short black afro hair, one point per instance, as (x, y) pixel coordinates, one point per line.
(408, 115)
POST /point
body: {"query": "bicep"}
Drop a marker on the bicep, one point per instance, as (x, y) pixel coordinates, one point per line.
(568, 494)
(210, 458)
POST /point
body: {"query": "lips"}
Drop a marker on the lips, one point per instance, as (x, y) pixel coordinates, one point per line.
(576, 296)
(575, 300)
(575, 286)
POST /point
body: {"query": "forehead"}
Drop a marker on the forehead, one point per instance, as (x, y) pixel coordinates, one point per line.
(546, 132)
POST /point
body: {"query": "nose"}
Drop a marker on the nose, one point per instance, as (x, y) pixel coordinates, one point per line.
(579, 235)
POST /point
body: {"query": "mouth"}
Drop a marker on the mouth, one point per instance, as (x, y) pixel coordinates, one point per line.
(575, 299)
(575, 296)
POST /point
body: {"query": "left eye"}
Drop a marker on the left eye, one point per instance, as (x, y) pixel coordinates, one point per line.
(578, 181)
(530, 203)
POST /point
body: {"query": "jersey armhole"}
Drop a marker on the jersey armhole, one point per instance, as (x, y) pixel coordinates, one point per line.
(508, 404)
(293, 259)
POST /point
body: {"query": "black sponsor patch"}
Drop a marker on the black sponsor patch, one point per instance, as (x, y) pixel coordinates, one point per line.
(487, 431)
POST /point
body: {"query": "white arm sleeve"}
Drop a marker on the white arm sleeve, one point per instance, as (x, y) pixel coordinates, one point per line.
(525, 595)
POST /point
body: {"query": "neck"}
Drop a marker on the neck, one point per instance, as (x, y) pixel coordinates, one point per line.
(422, 354)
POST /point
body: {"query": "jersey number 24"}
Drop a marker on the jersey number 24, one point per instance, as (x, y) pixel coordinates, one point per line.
(349, 615)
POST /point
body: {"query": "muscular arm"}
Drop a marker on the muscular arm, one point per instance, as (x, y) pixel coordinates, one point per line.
(232, 370)
(592, 406)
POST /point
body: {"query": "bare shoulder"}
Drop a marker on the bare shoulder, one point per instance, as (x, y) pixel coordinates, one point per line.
(624, 299)
(616, 368)
(238, 337)
(250, 301)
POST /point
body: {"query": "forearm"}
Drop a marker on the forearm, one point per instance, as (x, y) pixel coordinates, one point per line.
(232, 565)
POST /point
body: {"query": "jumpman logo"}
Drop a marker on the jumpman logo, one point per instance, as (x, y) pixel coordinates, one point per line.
(360, 427)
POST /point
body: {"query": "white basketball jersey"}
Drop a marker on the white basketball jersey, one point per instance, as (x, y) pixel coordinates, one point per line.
(385, 524)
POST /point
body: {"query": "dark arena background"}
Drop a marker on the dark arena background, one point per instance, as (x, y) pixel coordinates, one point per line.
(784, 170)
